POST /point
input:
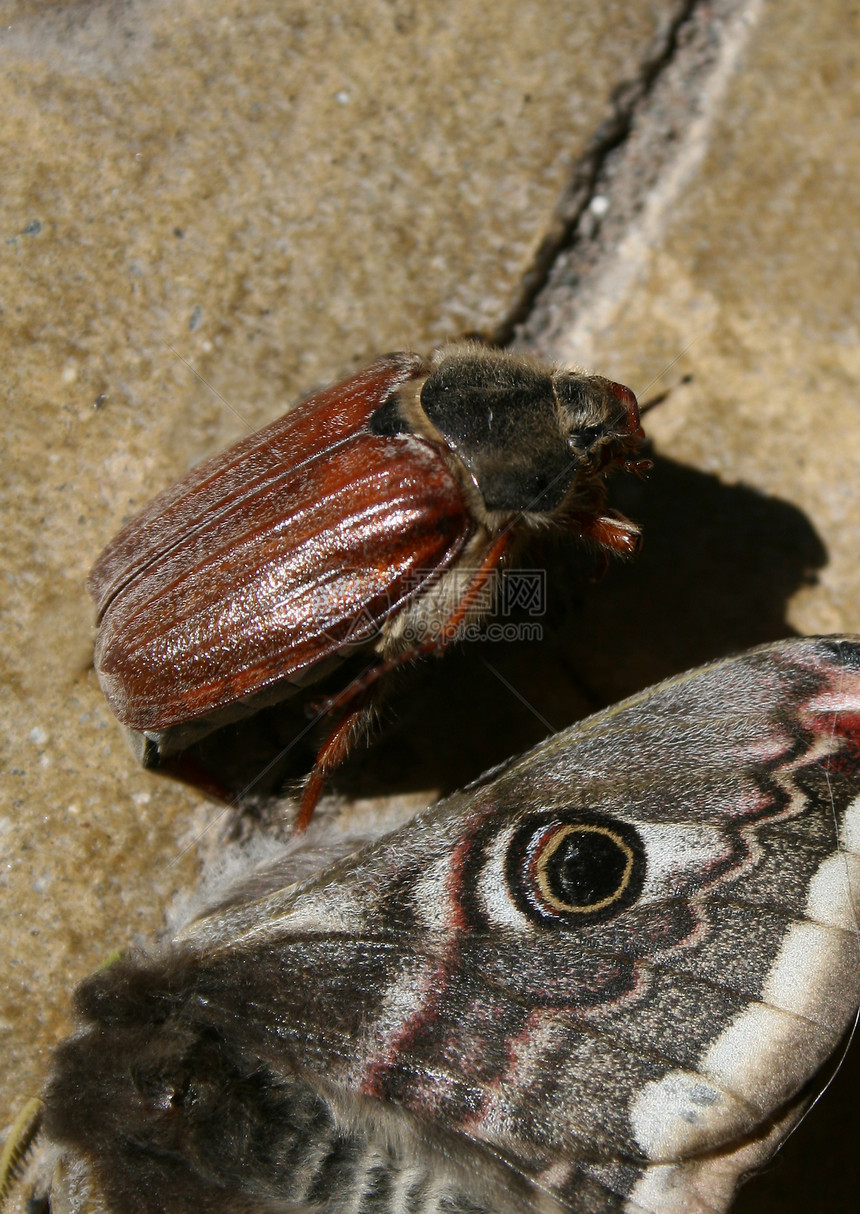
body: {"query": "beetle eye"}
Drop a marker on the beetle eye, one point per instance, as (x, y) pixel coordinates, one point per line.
(572, 870)
(584, 438)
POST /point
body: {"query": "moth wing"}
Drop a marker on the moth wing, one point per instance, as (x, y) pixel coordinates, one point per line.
(177, 516)
(638, 1062)
(309, 561)
(607, 972)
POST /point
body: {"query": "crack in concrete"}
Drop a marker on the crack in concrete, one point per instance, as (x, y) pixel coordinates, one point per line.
(610, 186)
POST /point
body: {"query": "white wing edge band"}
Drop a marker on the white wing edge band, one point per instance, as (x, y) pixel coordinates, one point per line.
(771, 1047)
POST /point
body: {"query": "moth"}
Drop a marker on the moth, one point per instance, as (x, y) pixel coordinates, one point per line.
(601, 980)
(372, 516)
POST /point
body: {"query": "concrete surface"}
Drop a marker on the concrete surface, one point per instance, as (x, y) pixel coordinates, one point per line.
(274, 199)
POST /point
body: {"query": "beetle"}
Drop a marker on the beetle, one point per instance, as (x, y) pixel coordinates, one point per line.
(374, 512)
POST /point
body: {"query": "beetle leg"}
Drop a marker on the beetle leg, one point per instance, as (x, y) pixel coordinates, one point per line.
(357, 694)
(447, 632)
(485, 571)
(331, 755)
(610, 530)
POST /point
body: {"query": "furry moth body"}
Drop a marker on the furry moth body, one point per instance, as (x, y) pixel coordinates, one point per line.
(600, 980)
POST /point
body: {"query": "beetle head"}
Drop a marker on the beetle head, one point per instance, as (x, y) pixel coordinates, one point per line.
(526, 433)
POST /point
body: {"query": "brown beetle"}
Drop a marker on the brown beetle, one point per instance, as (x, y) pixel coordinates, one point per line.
(375, 511)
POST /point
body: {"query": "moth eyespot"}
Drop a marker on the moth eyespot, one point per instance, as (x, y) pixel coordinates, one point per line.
(571, 870)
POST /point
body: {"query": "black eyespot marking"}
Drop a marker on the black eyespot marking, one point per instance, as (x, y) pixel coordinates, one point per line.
(567, 869)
